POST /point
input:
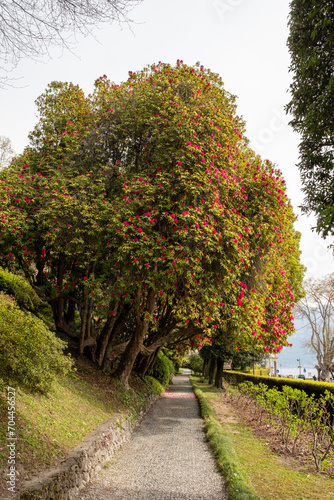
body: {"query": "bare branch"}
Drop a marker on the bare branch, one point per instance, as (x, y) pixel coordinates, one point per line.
(6, 151)
(28, 28)
(317, 307)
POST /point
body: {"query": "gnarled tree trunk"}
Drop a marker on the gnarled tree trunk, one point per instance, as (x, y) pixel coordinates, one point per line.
(136, 342)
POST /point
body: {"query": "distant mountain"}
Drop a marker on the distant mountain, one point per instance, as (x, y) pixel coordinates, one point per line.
(289, 355)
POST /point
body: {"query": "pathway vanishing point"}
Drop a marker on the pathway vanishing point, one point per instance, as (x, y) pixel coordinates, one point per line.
(167, 457)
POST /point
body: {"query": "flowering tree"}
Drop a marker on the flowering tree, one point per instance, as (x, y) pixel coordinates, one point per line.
(143, 206)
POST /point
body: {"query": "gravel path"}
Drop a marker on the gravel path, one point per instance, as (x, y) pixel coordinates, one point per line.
(167, 457)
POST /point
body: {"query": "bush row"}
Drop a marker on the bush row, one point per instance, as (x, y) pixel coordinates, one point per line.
(309, 386)
(237, 483)
(294, 414)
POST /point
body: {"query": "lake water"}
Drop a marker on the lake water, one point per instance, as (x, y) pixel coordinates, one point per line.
(284, 372)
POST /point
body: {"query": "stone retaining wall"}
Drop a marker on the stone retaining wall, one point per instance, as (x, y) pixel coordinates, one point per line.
(83, 462)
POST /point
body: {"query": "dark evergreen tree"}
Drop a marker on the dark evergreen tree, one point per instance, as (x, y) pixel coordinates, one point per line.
(311, 45)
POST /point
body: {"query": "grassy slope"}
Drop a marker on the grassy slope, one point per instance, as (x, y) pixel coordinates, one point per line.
(48, 426)
(272, 479)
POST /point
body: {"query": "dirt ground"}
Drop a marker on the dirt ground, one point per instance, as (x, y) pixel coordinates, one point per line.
(231, 411)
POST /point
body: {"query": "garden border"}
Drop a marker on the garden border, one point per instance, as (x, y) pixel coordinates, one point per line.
(84, 462)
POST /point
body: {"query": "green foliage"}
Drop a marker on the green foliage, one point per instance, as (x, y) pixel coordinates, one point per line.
(311, 46)
(163, 370)
(6, 300)
(195, 363)
(259, 371)
(291, 411)
(157, 387)
(30, 355)
(49, 426)
(236, 481)
(172, 370)
(186, 362)
(17, 286)
(172, 223)
(177, 366)
(308, 386)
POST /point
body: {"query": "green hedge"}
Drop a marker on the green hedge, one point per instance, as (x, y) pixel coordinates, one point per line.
(237, 483)
(309, 386)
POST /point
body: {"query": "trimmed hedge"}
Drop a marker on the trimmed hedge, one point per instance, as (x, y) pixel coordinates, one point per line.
(237, 483)
(309, 386)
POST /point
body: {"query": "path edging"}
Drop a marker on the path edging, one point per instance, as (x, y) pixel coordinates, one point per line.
(237, 482)
(85, 460)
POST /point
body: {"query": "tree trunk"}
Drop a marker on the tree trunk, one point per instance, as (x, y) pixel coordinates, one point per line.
(70, 313)
(58, 313)
(152, 360)
(145, 363)
(109, 356)
(134, 346)
(207, 368)
(103, 340)
(205, 364)
(212, 372)
(219, 374)
(84, 314)
(129, 357)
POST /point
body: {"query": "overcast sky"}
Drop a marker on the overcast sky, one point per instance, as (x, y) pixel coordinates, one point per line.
(242, 40)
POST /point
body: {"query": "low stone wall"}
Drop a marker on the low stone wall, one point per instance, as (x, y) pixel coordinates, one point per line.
(83, 462)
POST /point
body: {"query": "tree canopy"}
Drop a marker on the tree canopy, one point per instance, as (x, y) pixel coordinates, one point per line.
(311, 46)
(142, 209)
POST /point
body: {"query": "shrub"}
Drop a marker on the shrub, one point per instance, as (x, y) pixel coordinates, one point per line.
(310, 387)
(157, 387)
(17, 286)
(171, 370)
(30, 354)
(6, 300)
(177, 366)
(186, 363)
(196, 363)
(162, 369)
(293, 413)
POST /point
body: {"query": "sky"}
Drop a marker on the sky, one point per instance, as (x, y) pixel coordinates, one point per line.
(244, 41)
